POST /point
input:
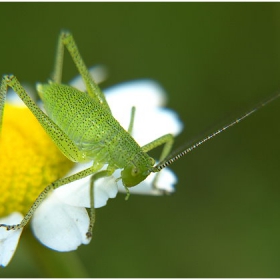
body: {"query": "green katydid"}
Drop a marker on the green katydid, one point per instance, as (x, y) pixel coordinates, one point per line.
(83, 128)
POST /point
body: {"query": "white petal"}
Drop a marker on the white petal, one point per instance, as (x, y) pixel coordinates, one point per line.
(79, 167)
(150, 125)
(78, 193)
(9, 239)
(144, 94)
(166, 180)
(98, 73)
(140, 93)
(60, 226)
(151, 121)
(165, 184)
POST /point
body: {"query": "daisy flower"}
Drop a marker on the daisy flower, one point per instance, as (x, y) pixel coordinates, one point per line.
(30, 161)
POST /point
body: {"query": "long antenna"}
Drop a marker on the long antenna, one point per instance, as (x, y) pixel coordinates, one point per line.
(164, 164)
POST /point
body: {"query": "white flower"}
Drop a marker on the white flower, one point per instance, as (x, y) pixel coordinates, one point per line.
(61, 221)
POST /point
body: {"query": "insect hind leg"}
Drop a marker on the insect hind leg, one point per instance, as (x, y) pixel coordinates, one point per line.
(66, 40)
(45, 193)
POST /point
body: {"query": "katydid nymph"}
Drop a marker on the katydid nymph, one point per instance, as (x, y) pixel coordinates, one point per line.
(83, 128)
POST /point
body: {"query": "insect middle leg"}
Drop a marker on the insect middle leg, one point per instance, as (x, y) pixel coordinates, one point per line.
(93, 179)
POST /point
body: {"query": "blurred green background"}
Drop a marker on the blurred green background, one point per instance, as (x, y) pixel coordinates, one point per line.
(214, 60)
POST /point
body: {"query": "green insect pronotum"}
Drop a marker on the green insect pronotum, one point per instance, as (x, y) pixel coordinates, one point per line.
(83, 128)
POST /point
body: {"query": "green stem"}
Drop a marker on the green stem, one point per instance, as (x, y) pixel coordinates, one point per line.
(55, 264)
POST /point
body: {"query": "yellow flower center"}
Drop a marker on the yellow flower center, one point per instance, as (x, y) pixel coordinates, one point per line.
(29, 160)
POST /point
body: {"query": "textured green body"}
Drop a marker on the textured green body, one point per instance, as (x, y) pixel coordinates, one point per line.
(92, 128)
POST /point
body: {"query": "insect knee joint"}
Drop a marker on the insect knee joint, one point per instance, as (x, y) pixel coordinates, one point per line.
(9, 78)
(65, 34)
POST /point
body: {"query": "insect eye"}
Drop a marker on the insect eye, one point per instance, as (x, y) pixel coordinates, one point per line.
(134, 171)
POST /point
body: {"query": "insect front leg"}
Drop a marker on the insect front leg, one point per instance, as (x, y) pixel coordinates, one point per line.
(167, 140)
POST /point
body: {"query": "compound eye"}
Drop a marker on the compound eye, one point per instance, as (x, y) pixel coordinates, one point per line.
(134, 171)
